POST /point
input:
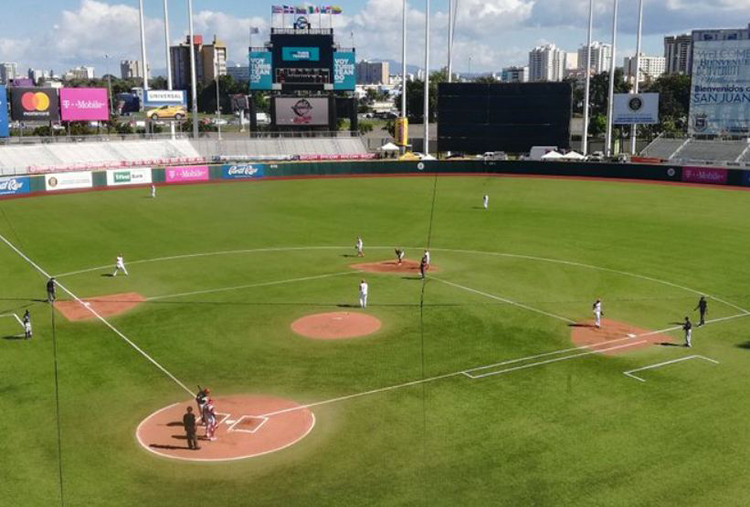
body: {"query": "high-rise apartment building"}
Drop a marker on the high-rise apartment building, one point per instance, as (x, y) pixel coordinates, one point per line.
(678, 54)
(132, 69)
(8, 72)
(601, 57)
(207, 58)
(515, 75)
(368, 72)
(547, 63)
(651, 68)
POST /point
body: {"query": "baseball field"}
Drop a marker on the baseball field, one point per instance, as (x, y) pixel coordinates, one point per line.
(483, 384)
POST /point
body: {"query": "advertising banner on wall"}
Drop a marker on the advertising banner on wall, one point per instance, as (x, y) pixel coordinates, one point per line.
(117, 177)
(301, 112)
(177, 174)
(68, 181)
(4, 132)
(260, 70)
(242, 171)
(84, 104)
(158, 98)
(636, 108)
(720, 88)
(15, 185)
(34, 104)
(343, 71)
(705, 175)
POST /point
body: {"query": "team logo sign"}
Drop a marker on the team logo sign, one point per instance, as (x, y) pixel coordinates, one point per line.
(635, 104)
(35, 104)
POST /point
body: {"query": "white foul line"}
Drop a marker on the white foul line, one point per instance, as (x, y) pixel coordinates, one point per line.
(629, 373)
(503, 300)
(96, 314)
(464, 372)
(555, 360)
(250, 286)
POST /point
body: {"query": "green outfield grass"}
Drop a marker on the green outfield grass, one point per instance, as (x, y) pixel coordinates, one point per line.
(570, 433)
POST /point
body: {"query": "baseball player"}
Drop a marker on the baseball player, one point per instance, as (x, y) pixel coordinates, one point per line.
(153, 191)
(688, 328)
(400, 255)
(703, 308)
(210, 411)
(359, 245)
(27, 325)
(51, 290)
(120, 266)
(363, 290)
(423, 266)
(200, 400)
(427, 258)
(597, 307)
(486, 201)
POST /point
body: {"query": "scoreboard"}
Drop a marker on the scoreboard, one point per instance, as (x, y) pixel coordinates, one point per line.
(301, 59)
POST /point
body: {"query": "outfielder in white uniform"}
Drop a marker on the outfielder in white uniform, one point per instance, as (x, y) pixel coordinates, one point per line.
(120, 266)
(359, 245)
(363, 290)
(153, 191)
(427, 257)
(597, 307)
(486, 201)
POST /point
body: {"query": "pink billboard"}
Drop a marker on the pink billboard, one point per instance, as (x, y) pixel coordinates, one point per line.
(195, 173)
(705, 175)
(84, 104)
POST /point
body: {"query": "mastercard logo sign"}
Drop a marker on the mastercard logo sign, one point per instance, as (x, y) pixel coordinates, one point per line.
(35, 101)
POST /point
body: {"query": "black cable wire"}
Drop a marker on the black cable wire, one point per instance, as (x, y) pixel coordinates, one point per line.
(57, 405)
(422, 337)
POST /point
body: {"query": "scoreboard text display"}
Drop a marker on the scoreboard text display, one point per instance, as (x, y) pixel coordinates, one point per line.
(302, 61)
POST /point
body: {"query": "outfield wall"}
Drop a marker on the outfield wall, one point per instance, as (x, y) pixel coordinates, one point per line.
(19, 186)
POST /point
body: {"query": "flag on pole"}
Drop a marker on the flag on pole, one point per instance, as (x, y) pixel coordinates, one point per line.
(336, 9)
(300, 9)
(288, 9)
(277, 9)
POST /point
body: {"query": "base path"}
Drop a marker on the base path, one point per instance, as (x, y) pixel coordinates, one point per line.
(106, 306)
(406, 267)
(336, 325)
(586, 333)
(242, 431)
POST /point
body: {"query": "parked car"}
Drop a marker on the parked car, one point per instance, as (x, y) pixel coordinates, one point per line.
(597, 156)
(167, 113)
(494, 155)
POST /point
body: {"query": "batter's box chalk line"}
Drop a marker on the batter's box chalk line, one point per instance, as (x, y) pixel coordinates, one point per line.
(234, 426)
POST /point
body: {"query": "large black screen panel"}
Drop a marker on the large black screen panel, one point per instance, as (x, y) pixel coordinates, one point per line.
(512, 117)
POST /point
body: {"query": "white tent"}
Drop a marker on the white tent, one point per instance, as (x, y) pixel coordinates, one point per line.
(428, 157)
(573, 155)
(389, 147)
(552, 155)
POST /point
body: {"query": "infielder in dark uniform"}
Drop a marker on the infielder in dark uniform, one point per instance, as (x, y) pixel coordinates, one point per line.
(27, 333)
(423, 266)
(188, 421)
(51, 290)
(703, 308)
(688, 328)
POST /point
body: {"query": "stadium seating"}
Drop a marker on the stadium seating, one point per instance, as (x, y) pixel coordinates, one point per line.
(663, 148)
(711, 151)
(279, 147)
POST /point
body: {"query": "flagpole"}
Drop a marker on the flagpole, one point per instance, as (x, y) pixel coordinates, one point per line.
(611, 95)
(587, 93)
(169, 60)
(143, 46)
(193, 77)
(426, 120)
(450, 40)
(636, 86)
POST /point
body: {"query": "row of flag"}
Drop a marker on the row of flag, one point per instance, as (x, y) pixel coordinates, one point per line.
(306, 9)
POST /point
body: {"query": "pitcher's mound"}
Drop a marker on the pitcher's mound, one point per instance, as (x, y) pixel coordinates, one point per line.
(614, 334)
(336, 325)
(106, 306)
(248, 426)
(406, 267)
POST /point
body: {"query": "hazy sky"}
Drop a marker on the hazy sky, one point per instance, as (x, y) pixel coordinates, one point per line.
(61, 34)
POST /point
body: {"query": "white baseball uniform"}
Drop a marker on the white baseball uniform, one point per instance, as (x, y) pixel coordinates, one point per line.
(598, 313)
(153, 191)
(360, 245)
(363, 290)
(120, 266)
(427, 257)
(486, 201)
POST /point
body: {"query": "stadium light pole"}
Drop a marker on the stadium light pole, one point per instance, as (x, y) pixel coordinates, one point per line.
(636, 85)
(451, 14)
(611, 94)
(426, 116)
(143, 47)
(169, 60)
(403, 61)
(587, 93)
(193, 78)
